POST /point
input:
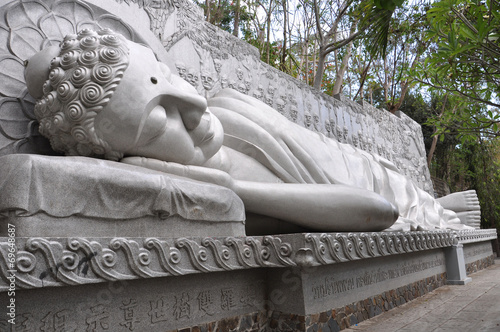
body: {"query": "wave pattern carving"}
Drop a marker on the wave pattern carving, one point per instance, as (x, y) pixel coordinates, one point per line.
(44, 262)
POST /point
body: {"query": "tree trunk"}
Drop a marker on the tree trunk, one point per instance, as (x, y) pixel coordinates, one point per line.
(313, 62)
(207, 9)
(236, 28)
(318, 78)
(435, 138)
(339, 76)
(283, 48)
(268, 46)
(306, 56)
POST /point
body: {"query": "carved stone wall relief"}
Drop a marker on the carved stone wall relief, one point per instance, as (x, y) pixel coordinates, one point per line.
(209, 58)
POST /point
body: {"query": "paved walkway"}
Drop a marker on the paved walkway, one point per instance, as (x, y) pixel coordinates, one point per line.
(473, 307)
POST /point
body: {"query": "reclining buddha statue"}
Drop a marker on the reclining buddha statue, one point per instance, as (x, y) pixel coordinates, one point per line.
(100, 95)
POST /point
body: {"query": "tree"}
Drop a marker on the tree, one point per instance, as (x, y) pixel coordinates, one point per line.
(226, 15)
(403, 52)
(471, 164)
(328, 40)
(366, 19)
(476, 166)
(465, 60)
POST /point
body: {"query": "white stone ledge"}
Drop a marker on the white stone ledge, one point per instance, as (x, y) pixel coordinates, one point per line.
(48, 262)
(476, 235)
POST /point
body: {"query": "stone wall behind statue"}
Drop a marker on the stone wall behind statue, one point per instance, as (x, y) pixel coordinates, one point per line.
(211, 59)
(208, 58)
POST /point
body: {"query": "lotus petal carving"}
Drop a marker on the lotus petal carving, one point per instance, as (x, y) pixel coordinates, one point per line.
(25, 42)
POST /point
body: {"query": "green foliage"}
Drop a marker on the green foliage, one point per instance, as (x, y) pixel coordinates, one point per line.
(376, 22)
(476, 165)
(467, 120)
(222, 13)
(464, 164)
(274, 48)
(388, 4)
(465, 60)
(404, 50)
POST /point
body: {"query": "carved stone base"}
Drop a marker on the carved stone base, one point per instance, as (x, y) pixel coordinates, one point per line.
(478, 256)
(272, 283)
(76, 196)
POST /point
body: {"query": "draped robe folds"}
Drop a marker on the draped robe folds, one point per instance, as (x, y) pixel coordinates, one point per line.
(297, 155)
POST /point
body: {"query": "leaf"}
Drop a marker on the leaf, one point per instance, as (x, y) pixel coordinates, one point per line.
(468, 33)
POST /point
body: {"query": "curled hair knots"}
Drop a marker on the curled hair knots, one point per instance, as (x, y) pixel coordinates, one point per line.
(66, 92)
(75, 112)
(80, 76)
(88, 58)
(56, 76)
(82, 79)
(89, 43)
(102, 73)
(91, 93)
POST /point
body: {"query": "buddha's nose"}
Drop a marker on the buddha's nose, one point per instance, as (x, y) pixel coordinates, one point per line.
(191, 106)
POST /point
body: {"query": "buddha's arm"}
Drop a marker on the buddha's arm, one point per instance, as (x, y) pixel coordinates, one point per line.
(323, 207)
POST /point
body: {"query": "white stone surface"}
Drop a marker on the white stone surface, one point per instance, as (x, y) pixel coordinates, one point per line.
(78, 196)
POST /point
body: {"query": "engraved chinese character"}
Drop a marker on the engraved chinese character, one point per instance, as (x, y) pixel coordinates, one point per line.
(248, 299)
(55, 322)
(99, 320)
(182, 308)
(158, 312)
(23, 324)
(205, 302)
(129, 314)
(227, 299)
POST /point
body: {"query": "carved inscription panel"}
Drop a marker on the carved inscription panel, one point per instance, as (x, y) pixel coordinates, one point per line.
(157, 304)
(477, 251)
(337, 288)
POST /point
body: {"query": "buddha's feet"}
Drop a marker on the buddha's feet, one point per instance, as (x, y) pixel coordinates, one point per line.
(470, 218)
(461, 201)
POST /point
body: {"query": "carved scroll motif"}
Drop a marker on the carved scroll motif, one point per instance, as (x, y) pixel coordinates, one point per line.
(42, 262)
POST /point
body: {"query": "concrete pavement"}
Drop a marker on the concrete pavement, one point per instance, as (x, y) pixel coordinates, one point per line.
(473, 307)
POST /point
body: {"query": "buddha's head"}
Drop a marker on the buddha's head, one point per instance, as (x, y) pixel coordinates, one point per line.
(99, 94)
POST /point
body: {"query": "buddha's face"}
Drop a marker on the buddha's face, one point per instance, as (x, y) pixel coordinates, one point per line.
(327, 126)
(307, 119)
(155, 114)
(207, 80)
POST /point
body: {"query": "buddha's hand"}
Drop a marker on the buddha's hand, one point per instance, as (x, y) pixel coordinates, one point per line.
(197, 173)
